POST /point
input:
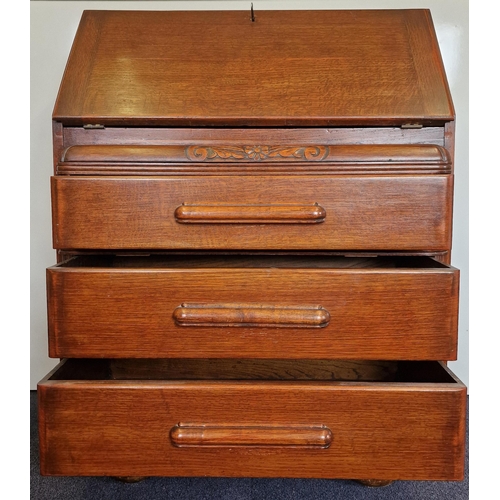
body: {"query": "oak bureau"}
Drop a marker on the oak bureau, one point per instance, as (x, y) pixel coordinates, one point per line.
(252, 213)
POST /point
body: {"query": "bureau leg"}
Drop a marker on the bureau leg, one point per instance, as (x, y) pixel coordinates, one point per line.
(375, 483)
(130, 479)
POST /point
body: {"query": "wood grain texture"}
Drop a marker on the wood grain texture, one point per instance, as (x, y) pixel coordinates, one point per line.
(159, 136)
(404, 430)
(57, 143)
(380, 153)
(363, 212)
(293, 68)
(252, 369)
(289, 213)
(199, 435)
(250, 315)
(249, 191)
(407, 312)
(243, 160)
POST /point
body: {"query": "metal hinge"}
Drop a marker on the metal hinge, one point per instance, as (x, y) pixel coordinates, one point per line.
(411, 125)
(93, 125)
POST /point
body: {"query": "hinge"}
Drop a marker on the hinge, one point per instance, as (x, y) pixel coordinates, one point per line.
(411, 125)
(92, 125)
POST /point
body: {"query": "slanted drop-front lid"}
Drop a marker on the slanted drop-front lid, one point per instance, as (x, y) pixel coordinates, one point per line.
(285, 68)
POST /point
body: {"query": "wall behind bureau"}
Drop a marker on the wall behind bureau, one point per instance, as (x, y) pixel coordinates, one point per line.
(53, 26)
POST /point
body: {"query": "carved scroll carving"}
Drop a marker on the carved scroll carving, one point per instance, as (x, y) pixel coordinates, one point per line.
(257, 153)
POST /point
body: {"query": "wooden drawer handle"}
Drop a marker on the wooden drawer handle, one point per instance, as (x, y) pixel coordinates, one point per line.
(250, 214)
(184, 435)
(251, 315)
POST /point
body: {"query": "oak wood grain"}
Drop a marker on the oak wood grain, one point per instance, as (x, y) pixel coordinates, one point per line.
(200, 435)
(250, 315)
(252, 369)
(159, 136)
(408, 430)
(290, 213)
(243, 160)
(232, 203)
(355, 153)
(293, 68)
(383, 212)
(376, 312)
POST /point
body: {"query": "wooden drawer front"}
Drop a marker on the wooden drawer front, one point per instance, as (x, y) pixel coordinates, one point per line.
(406, 212)
(409, 429)
(243, 307)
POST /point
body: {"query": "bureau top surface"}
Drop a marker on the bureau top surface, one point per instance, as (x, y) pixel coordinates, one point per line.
(285, 68)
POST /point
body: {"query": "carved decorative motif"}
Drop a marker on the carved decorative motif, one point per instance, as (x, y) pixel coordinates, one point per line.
(257, 153)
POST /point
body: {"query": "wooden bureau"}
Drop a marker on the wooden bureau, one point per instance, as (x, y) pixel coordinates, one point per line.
(253, 221)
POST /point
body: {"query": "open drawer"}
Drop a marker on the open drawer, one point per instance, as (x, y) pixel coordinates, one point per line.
(235, 306)
(94, 420)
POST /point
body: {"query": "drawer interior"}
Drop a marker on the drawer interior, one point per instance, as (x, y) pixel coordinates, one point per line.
(251, 261)
(403, 420)
(335, 371)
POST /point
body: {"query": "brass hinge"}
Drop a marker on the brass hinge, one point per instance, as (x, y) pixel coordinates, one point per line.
(92, 125)
(411, 125)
